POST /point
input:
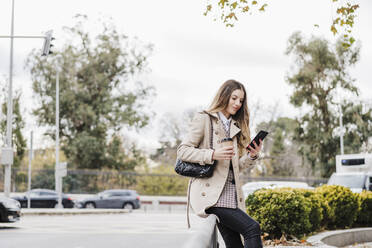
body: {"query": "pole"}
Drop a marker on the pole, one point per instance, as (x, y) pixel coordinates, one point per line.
(8, 167)
(29, 172)
(57, 176)
(342, 132)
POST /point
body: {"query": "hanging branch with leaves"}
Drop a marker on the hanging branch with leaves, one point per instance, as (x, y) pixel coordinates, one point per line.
(229, 11)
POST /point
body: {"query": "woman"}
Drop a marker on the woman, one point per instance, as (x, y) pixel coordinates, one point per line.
(221, 194)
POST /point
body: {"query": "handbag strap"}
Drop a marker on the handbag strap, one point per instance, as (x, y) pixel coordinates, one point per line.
(211, 135)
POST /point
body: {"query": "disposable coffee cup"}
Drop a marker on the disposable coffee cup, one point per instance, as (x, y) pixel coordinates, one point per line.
(227, 142)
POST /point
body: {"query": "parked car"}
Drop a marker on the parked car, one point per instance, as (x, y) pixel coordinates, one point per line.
(10, 209)
(356, 181)
(44, 198)
(115, 198)
(251, 187)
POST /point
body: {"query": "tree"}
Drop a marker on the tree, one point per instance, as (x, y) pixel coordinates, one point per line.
(357, 118)
(18, 141)
(96, 97)
(229, 11)
(173, 127)
(322, 73)
(280, 149)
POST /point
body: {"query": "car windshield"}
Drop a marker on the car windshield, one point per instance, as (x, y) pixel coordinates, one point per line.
(351, 181)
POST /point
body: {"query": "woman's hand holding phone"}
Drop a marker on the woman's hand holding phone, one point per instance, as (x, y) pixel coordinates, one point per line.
(253, 151)
(253, 148)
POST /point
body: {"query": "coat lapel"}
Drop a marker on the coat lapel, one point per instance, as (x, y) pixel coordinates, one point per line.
(234, 129)
(211, 114)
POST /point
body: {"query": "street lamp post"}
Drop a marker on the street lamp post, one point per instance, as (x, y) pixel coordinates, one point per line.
(9, 123)
(342, 132)
(58, 178)
(7, 151)
(29, 171)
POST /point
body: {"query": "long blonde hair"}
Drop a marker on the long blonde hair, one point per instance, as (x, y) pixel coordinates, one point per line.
(221, 101)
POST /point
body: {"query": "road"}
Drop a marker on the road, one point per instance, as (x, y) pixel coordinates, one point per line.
(131, 230)
(136, 229)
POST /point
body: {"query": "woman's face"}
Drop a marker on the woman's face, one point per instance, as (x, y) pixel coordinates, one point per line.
(235, 102)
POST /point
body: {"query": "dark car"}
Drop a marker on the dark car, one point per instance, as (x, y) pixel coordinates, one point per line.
(115, 198)
(10, 209)
(44, 198)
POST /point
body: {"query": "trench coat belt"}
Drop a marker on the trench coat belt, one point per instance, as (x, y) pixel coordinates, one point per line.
(188, 203)
(231, 168)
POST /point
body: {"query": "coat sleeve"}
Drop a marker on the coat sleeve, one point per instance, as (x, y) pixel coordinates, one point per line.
(188, 150)
(245, 161)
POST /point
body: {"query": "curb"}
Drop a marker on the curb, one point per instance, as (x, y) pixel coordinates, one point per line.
(31, 212)
(340, 238)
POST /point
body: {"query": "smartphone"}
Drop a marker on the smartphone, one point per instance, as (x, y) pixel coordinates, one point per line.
(260, 136)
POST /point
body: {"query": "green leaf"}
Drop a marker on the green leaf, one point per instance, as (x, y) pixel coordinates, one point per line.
(222, 3)
(333, 29)
(246, 9)
(263, 7)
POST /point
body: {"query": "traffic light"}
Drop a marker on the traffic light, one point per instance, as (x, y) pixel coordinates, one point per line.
(47, 43)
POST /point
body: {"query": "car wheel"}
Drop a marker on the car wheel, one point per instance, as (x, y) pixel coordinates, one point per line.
(90, 205)
(128, 205)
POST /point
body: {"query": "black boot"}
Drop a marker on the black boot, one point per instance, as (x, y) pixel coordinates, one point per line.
(254, 242)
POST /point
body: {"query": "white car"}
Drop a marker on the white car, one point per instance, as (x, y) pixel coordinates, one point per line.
(250, 187)
(356, 181)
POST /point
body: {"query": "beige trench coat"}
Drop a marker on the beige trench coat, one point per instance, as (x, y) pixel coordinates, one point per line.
(205, 192)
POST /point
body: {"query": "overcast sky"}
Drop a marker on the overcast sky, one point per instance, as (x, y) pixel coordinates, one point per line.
(193, 55)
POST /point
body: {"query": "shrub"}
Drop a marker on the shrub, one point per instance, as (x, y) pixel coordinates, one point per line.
(343, 206)
(317, 208)
(280, 211)
(162, 185)
(365, 213)
(163, 180)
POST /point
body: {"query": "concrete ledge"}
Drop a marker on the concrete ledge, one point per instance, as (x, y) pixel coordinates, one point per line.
(203, 234)
(73, 211)
(340, 238)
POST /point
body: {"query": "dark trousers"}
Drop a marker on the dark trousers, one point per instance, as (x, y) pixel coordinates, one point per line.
(234, 222)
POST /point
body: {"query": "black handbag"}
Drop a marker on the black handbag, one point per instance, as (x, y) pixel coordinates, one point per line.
(189, 169)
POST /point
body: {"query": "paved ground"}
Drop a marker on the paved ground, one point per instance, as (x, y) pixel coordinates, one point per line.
(136, 229)
(365, 245)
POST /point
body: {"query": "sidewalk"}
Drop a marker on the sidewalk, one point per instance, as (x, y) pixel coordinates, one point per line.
(70, 211)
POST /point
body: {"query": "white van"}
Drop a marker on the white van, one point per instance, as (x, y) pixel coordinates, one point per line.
(353, 171)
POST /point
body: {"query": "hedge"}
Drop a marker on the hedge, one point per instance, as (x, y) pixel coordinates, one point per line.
(280, 211)
(365, 213)
(343, 203)
(299, 212)
(317, 208)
